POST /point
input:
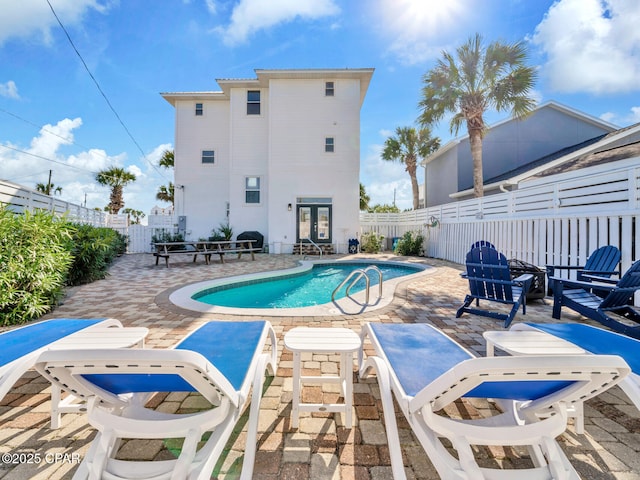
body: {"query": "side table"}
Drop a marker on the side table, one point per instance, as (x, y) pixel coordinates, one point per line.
(323, 340)
(519, 342)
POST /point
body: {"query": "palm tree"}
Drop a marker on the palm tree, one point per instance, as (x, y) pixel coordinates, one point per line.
(48, 188)
(407, 146)
(116, 178)
(166, 192)
(481, 78)
(135, 215)
(364, 199)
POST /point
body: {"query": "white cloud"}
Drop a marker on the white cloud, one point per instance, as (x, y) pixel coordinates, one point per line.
(9, 90)
(75, 173)
(629, 118)
(250, 16)
(211, 7)
(591, 45)
(383, 179)
(27, 19)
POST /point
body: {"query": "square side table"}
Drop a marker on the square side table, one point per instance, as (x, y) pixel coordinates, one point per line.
(323, 340)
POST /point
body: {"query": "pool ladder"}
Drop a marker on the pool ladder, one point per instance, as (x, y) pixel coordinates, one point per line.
(356, 275)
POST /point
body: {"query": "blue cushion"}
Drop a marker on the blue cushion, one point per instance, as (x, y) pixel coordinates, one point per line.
(25, 340)
(596, 340)
(229, 346)
(419, 353)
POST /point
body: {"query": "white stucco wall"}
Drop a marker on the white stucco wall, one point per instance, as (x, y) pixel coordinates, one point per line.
(249, 138)
(301, 116)
(206, 186)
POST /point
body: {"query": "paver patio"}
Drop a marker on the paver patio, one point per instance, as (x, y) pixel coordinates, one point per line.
(136, 292)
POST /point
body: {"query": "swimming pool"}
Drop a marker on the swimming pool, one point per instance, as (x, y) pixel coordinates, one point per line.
(306, 290)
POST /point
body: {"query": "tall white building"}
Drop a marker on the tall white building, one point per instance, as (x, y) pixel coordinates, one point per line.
(278, 154)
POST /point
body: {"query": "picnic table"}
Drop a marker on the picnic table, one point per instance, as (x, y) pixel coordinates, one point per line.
(205, 248)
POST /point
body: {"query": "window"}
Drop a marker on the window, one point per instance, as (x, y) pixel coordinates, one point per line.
(252, 189)
(329, 144)
(329, 89)
(253, 102)
(199, 109)
(208, 156)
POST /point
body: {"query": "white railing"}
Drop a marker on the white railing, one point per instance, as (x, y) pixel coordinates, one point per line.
(559, 219)
(20, 199)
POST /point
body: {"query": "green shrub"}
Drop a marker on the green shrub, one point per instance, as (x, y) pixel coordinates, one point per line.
(166, 237)
(409, 244)
(371, 242)
(34, 261)
(93, 250)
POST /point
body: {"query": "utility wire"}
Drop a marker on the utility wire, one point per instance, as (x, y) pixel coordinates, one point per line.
(102, 92)
(56, 161)
(66, 139)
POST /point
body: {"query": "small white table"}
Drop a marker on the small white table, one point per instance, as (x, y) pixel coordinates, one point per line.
(90, 338)
(323, 340)
(521, 342)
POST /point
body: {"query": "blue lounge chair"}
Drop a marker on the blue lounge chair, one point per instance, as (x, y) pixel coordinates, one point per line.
(223, 361)
(20, 347)
(427, 371)
(603, 262)
(585, 298)
(490, 279)
(600, 342)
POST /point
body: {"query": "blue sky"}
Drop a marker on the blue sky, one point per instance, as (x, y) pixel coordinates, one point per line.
(52, 115)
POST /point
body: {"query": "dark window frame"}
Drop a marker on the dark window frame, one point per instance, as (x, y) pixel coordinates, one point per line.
(208, 157)
(253, 104)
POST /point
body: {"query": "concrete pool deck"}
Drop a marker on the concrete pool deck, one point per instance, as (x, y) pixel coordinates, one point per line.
(137, 293)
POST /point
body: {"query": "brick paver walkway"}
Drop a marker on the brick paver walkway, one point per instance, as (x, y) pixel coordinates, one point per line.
(136, 292)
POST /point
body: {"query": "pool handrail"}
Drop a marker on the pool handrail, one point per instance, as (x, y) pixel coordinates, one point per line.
(360, 273)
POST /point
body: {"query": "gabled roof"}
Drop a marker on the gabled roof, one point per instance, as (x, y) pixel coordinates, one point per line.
(618, 145)
(585, 117)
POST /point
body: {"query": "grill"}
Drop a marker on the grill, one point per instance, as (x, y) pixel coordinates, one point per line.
(537, 290)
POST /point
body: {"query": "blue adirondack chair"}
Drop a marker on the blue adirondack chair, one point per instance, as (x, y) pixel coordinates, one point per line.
(489, 279)
(579, 296)
(602, 263)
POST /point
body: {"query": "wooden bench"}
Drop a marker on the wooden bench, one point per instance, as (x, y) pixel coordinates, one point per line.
(166, 249)
(205, 248)
(223, 248)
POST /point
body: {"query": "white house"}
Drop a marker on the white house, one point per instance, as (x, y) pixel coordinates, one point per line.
(278, 154)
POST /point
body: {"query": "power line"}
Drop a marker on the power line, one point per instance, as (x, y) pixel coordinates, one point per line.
(102, 92)
(56, 161)
(66, 139)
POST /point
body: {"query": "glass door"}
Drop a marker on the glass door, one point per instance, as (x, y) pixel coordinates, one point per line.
(314, 222)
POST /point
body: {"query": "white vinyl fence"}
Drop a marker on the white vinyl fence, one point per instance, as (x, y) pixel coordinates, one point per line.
(553, 220)
(20, 199)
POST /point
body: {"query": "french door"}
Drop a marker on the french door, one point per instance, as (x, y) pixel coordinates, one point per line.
(314, 223)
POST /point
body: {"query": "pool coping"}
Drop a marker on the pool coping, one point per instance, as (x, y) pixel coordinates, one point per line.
(180, 297)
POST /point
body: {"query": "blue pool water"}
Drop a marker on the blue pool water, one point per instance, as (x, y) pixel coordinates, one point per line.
(306, 289)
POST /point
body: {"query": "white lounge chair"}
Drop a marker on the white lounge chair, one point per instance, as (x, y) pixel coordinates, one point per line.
(20, 348)
(601, 342)
(223, 361)
(426, 371)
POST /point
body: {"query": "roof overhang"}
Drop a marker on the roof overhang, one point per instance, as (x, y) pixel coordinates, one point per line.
(514, 181)
(264, 76)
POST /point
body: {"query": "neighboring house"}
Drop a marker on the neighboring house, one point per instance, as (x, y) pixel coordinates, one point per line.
(551, 131)
(278, 154)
